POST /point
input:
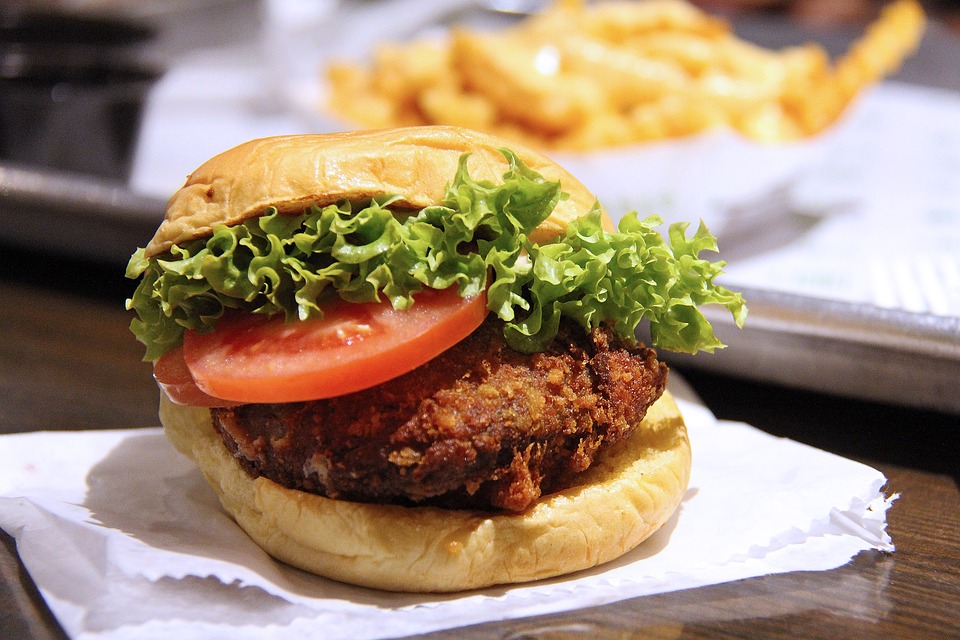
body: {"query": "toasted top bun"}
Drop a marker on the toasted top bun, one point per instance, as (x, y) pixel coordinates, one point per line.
(622, 499)
(292, 172)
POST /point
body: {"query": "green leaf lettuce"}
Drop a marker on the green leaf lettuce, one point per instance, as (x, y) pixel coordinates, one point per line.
(476, 239)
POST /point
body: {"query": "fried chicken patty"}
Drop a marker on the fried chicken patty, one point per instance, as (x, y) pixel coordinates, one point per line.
(480, 426)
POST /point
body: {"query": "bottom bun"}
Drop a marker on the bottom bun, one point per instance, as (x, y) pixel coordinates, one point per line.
(628, 493)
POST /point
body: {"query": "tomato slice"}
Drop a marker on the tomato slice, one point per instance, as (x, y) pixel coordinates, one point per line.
(251, 358)
(174, 378)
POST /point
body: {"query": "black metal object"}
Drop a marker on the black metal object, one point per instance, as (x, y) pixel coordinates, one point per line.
(72, 90)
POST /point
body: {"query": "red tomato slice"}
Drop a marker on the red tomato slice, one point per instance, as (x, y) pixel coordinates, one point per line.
(174, 377)
(250, 358)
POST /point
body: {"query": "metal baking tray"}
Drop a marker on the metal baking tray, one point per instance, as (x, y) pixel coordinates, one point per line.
(78, 215)
(847, 349)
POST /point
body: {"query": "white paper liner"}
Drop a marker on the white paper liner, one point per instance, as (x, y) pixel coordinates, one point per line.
(125, 540)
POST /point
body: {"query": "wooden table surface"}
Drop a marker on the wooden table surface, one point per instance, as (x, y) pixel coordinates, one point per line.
(68, 361)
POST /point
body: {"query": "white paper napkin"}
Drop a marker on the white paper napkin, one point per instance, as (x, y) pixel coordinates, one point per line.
(125, 540)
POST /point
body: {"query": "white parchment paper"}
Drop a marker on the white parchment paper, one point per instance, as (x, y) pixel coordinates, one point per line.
(125, 540)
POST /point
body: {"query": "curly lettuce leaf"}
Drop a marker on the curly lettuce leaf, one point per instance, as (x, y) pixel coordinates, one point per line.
(477, 238)
(595, 277)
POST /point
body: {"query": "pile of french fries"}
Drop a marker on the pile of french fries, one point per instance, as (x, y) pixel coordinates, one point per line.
(588, 76)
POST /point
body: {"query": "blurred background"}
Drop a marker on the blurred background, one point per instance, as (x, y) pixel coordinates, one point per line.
(75, 74)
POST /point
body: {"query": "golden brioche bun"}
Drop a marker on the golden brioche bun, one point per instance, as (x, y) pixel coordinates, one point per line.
(628, 493)
(292, 172)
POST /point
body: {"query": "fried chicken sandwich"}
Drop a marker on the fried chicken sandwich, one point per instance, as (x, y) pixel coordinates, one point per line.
(406, 359)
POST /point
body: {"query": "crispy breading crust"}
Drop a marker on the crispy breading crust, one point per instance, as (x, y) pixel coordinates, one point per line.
(481, 426)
